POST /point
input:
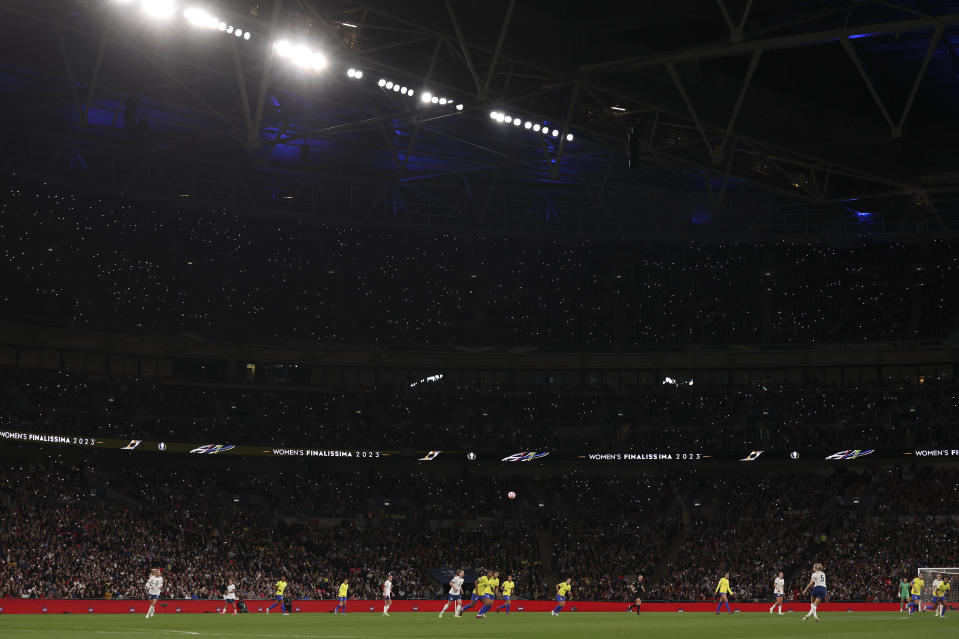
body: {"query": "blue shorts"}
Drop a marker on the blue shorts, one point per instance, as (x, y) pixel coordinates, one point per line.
(507, 598)
(938, 600)
(153, 597)
(819, 592)
(917, 597)
(454, 597)
(278, 597)
(341, 599)
(560, 598)
(474, 597)
(490, 596)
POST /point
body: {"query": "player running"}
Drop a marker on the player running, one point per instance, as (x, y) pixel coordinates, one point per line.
(779, 585)
(342, 597)
(154, 586)
(278, 596)
(508, 587)
(479, 589)
(636, 588)
(455, 595)
(916, 594)
(562, 593)
(229, 597)
(939, 596)
(723, 590)
(492, 588)
(903, 594)
(387, 594)
(818, 584)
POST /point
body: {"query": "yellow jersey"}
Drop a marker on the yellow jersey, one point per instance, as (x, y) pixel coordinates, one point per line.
(493, 584)
(942, 589)
(723, 587)
(917, 585)
(280, 587)
(344, 588)
(563, 589)
(482, 585)
(508, 588)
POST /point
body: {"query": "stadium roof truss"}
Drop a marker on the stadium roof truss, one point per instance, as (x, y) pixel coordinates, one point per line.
(745, 115)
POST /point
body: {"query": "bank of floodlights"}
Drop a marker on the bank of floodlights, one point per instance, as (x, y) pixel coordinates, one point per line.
(516, 121)
(195, 16)
(300, 55)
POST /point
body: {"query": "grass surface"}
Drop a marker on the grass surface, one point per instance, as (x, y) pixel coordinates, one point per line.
(423, 625)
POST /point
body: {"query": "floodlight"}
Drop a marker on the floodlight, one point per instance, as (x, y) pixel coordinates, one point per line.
(443, 101)
(403, 90)
(508, 119)
(426, 97)
(555, 133)
(246, 36)
(389, 85)
(536, 127)
(351, 73)
(396, 88)
(229, 29)
(434, 99)
(359, 74)
(527, 125)
(517, 122)
(410, 93)
(318, 61)
(238, 33)
(569, 137)
(158, 8)
(459, 107)
(500, 117)
(221, 26)
(493, 114)
(200, 18)
(381, 82)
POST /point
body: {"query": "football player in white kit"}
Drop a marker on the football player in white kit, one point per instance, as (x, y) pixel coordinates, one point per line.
(387, 594)
(818, 584)
(229, 598)
(154, 586)
(778, 591)
(456, 594)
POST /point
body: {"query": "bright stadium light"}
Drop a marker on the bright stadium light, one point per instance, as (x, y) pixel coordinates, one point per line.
(246, 36)
(200, 18)
(351, 73)
(500, 118)
(443, 101)
(507, 119)
(229, 29)
(555, 133)
(434, 99)
(410, 93)
(389, 85)
(569, 137)
(492, 115)
(517, 122)
(527, 125)
(396, 88)
(459, 107)
(221, 26)
(404, 90)
(158, 8)
(426, 96)
(238, 33)
(536, 127)
(381, 82)
(359, 74)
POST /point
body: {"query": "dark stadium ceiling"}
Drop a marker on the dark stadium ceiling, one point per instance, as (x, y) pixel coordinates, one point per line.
(745, 113)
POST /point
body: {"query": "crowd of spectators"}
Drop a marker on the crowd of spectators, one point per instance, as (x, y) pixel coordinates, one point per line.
(442, 414)
(94, 530)
(109, 260)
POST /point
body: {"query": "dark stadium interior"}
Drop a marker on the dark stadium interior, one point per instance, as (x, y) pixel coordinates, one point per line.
(719, 237)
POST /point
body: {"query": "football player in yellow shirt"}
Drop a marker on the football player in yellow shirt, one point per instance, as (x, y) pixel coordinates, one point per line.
(508, 587)
(916, 594)
(278, 597)
(562, 593)
(479, 591)
(342, 597)
(939, 596)
(723, 590)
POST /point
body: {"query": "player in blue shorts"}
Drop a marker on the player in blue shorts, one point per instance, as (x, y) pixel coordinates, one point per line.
(562, 593)
(818, 584)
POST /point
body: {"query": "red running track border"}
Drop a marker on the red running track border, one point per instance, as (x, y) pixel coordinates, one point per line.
(173, 606)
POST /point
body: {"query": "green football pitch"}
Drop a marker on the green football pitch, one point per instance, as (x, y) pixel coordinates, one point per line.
(428, 626)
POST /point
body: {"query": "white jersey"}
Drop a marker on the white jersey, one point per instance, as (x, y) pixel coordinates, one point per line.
(935, 584)
(819, 579)
(387, 589)
(456, 585)
(155, 585)
(230, 592)
(778, 586)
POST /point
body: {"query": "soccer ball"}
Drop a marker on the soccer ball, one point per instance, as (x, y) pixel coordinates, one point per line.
(511, 495)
